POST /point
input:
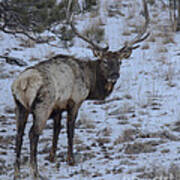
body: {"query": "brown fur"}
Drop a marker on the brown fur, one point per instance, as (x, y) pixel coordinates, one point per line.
(49, 88)
(63, 83)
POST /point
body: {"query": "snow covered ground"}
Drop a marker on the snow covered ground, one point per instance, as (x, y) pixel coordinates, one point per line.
(136, 134)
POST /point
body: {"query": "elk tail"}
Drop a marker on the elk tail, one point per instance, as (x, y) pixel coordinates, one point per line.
(26, 87)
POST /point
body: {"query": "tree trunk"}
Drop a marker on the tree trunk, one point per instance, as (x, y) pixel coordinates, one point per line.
(178, 17)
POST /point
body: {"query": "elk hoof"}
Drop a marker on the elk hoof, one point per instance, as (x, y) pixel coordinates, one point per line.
(17, 174)
(70, 161)
(39, 177)
(51, 157)
(42, 178)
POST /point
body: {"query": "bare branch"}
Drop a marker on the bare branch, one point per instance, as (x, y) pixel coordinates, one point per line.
(36, 39)
(95, 46)
(107, 101)
(14, 61)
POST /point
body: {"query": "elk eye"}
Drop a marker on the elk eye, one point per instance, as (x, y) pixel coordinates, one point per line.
(105, 62)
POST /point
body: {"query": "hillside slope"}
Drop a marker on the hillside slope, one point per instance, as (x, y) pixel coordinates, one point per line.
(136, 133)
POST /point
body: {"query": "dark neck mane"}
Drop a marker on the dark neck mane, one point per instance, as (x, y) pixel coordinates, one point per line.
(98, 90)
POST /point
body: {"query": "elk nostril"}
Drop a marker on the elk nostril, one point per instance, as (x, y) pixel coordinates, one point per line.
(115, 76)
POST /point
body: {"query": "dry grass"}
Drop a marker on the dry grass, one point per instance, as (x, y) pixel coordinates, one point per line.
(27, 43)
(136, 28)
(131, 12)
(145, 46)
(168, 40)
(162, 58)
(139, 147)
(170, 75)
(85, 123)
(160, 172)
(163, 135)
(155, 15)
(151, 39)
(77, 140)
(132, 25)
(154, 22)
(162, 49)
(177, 126)
(104, 132)
(94, 14)
(95, 32)
(32, 58)
(165, 151)
(165, 32)
(50, 54)
(162, 32)
(128, 135)
(102, 141)
(5, 75)
(126, 33)
(159, 34)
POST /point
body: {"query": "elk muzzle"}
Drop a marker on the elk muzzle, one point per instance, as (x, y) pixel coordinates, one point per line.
(113, 77)
(111, 81)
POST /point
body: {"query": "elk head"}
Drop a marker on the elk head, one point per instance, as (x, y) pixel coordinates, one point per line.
(110, 61)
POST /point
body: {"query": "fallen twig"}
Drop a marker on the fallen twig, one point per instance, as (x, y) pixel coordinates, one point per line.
(14, 61)
(107, 101)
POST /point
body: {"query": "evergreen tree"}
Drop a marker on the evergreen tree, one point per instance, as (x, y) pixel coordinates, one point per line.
(36, 16)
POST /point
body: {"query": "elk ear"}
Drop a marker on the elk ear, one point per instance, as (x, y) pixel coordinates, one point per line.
(97, 53)
(125, 53)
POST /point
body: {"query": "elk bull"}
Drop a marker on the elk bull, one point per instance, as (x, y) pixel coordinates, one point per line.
(60, 84)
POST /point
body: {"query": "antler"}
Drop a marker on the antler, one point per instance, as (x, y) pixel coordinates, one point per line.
(140, 37)
(94, 46)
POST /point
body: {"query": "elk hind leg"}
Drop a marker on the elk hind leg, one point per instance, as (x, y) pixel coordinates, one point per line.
(21, 117)
(40, 116)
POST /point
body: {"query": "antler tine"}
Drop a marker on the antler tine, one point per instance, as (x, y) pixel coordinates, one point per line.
(139, 37)
(95, 46)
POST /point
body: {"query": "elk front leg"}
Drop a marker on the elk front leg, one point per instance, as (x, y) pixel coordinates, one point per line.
(56, 131)
(72, 114)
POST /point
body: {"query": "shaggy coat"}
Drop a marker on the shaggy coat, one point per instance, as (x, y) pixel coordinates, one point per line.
(53, 86)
